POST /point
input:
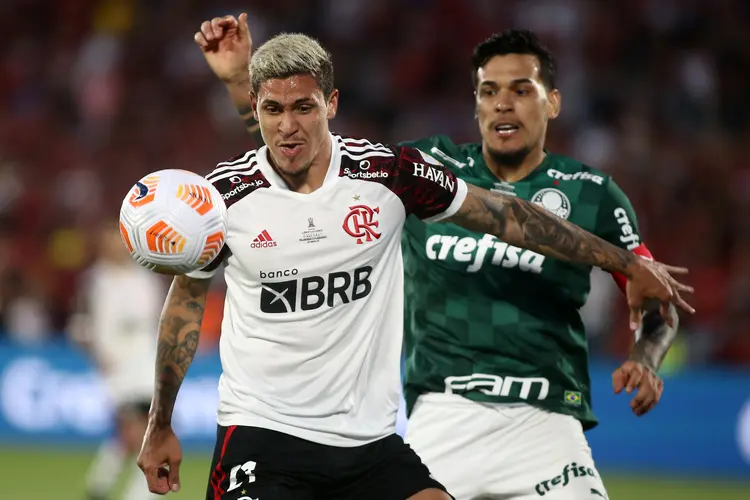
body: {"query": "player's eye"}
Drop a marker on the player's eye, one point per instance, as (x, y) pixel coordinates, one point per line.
(522, 91)
(273, 110)
(305, 108)
(488, 92)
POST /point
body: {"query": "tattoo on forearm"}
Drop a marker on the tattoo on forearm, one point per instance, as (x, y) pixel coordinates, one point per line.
(251, 124)
(521, 223)
(656, 337)
(179, 330)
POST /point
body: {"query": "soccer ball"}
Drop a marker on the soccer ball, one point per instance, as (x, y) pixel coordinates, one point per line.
(173, 222)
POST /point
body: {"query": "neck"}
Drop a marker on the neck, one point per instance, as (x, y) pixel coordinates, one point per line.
(514, 172)
(310, 179)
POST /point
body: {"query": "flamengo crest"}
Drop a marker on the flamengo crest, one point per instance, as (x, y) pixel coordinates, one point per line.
(360, 223)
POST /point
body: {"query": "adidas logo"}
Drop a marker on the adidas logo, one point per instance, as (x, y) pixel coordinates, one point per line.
(263, 240)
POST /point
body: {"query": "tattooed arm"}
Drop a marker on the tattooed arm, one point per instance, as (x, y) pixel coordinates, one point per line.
(179, 328)
(655, 337)
(226, 44)
(239, 91)
(639, 373)
(523, 224)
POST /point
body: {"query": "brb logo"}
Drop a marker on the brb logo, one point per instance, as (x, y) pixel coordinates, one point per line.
(360, 223)
(312, 292)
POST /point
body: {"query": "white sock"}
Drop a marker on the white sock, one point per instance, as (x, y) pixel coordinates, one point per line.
(137, 487)
(105, 470)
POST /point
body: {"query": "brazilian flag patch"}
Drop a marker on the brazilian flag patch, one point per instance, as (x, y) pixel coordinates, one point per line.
(573, 398)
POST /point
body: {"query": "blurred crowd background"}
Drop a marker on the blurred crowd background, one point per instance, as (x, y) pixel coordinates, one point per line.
(96, 93)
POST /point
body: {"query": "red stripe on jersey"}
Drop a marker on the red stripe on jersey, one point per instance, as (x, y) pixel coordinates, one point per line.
(266, 235)
(619, 278)
(219, 475)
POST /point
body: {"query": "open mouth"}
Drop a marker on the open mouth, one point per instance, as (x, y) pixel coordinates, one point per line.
(506, 129)
(290, 150)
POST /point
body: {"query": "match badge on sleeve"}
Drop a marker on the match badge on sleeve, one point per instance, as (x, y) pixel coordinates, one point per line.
(429, 158)
(573, 398)
(553, 200)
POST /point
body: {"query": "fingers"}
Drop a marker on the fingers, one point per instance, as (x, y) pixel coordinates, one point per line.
(200, 39)
(634, 379)
(156, 480)
(677, 300)
(618, 380)
(648, 395)
(244, 30)
(174, 476)
(680, 287)
(215, 28)
(218, 24)
(207, 30)
(627, 377)
(643, 400)
(675, 270)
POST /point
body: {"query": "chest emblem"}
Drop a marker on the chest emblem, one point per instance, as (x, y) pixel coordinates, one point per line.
(360, 223)
(553, 200)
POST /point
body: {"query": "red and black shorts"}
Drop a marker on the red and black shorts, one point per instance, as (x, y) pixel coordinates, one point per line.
(252, 463)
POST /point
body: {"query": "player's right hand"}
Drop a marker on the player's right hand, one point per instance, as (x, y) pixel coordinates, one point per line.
(226, 45)
(160, 459)
(654, 280)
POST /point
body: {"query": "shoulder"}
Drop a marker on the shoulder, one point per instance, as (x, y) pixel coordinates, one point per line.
(364, 159)
(238, 177)
(454, 156)
(357, 148)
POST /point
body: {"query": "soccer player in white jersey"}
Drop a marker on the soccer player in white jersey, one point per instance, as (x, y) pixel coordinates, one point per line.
(119, 311)
(313, 321)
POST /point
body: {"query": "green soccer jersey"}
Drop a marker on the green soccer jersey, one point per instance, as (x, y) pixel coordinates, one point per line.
(497, 323)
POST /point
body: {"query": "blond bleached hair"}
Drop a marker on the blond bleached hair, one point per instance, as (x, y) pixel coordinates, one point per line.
(290, 54)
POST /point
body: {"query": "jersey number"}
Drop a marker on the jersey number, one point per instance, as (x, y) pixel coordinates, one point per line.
(248, 467)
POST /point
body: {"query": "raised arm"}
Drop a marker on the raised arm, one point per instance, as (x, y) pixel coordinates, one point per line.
(177, 343)
(226, 44)
(521, 223)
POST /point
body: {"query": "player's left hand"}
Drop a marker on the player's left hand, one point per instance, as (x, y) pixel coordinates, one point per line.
(634, 376)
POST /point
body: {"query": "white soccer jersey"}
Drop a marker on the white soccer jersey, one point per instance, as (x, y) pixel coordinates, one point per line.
(313, 318)
(123, 304)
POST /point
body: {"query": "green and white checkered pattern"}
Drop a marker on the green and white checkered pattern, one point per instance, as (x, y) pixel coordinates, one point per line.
(487, 316)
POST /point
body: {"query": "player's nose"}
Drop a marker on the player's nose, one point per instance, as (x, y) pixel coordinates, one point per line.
(288, 125)
(504, 101)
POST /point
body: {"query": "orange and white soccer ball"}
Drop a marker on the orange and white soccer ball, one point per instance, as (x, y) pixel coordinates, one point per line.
(173, 222)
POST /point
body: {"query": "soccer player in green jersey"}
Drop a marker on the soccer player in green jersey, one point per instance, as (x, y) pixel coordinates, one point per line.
(496, 380)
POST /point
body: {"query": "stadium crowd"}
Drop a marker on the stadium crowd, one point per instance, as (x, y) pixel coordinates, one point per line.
(653, 93)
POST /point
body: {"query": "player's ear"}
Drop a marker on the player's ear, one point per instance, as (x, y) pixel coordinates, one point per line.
(254, 104)
(333, 104)
(554, 103)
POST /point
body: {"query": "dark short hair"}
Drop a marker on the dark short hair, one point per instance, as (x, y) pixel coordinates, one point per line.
(515, 42)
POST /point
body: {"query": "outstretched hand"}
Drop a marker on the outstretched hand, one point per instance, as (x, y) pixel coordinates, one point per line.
(654, 280)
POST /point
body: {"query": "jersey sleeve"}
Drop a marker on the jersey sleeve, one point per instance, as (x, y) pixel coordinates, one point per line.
(235, 179)
(617, 223)
(425, 186)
